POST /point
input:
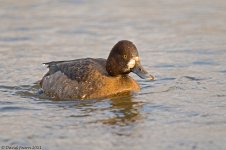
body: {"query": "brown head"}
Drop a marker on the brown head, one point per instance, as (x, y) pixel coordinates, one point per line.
(123, 59)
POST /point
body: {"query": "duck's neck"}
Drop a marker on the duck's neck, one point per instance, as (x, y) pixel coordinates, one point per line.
(112, 67)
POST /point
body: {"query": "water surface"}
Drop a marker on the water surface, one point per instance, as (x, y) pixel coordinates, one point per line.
(183, 43)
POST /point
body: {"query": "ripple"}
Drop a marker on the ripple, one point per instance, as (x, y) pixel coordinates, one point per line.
(157, 107)
(15, 108)
(223, 71)
(221, 95)
(193, 78)
(165, 66)
(14, 39)
(78, 116)
(25, 91)
(6, 88)
(5, 103)
(204, 62)
(166, 79)
(78, 32)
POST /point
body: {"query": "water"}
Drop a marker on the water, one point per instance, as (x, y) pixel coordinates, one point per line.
(183, 43)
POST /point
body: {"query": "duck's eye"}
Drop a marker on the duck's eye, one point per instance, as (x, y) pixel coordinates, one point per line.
(125, 56)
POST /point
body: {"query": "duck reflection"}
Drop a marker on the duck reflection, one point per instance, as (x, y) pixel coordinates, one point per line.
(125, 111)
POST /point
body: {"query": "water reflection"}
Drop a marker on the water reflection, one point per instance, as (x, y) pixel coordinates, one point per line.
(125, 111)
(121, 110)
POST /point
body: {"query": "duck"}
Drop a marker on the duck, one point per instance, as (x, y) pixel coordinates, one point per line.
(94, 78)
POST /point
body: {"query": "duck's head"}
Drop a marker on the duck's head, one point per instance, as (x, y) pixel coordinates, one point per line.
(124, 59)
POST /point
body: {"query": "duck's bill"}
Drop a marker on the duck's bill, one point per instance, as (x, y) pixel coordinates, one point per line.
(142, 73)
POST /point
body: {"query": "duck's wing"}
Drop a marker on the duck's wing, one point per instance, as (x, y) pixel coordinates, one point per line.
(79, 69)
(48, 64)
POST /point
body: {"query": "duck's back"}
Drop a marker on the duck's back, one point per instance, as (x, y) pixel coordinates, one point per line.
(83, 79)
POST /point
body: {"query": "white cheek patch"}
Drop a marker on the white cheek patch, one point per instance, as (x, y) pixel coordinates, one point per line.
(137, 58)
(131, 63)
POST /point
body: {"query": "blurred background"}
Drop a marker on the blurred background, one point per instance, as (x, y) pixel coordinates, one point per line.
(181, 42)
